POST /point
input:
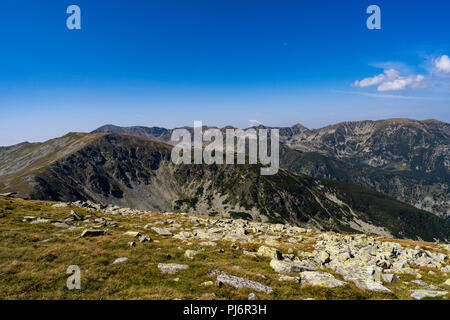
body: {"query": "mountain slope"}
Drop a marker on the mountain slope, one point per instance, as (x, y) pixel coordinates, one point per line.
(138, 173)
(406, 159)
(423, 192)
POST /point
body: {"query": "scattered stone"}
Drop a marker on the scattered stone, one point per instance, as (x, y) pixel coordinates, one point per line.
(249, 253)
(252, 296)
(390, 278)
(289, 266)
(207, 283)
(61, 225)
(323, 257)
(320, 279)
(120, 260)
(422, 293)
(60, 205)
(289, 278)
(8, 194)
(93, 233)
(190, 254)
(144, 238)
(238, 282)
(133, 233)
(76, 216)
(40, 220)
(171, 268)
(420, 283)
(269, 253)
(162, 231)
(208, 243)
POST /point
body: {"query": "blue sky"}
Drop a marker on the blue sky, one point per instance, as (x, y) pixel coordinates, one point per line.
(168, 63)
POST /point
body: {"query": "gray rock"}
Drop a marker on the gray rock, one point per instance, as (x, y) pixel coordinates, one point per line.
(390, 278)
(420, 283)
(238, 282)
(61, 225)
(76, 216)
(171, 268)
(320, 279)
(162, 231)
(422, 293)
(93, 233)
(289, 266)
(252, 296)
(120, 260)
(60, 205)
(144, 238)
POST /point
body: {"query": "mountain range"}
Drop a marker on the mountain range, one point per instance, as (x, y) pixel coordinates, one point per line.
(404, 158)
(343, 177)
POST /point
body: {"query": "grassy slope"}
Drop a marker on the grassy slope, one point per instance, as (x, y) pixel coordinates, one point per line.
(30, 269)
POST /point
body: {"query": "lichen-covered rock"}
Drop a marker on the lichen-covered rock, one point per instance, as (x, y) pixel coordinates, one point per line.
(190, 254)
(238, 282)
(288, 266)
(284, 277)
(423, 293)
(320, 279)
(390, 278)
(269, 253)
(171, 268)
(162, 231)
(93, 233)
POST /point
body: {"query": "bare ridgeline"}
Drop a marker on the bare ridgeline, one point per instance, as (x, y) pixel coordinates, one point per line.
(208, 147)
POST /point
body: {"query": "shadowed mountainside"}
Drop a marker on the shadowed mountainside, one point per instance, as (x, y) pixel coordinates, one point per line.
(138, 173)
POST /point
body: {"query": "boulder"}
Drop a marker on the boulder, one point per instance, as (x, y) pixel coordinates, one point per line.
(289, 266)
(93, 233)
(120, 260)
(320, 279)
(390, 278)
(422, 293)
(162, 231)
(171, 268)
(269, 253)
(238, 282)
(190, 254)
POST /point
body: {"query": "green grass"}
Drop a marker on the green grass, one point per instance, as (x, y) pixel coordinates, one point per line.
(31, 269)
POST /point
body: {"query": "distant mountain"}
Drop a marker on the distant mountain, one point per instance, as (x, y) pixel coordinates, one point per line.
(138, 173)
(153, 133)
(406, 159)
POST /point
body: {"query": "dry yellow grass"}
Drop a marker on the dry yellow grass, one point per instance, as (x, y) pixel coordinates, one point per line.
(32, 269)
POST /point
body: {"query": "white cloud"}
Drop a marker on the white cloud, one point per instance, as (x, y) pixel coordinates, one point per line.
(367, 82)
(442, 63)
(402, 83)
(391, 80)
(254, 123)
